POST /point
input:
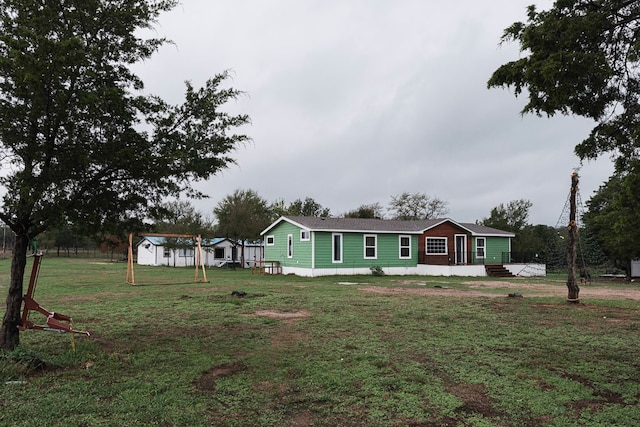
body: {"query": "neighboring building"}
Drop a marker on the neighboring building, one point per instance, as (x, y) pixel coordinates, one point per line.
(313, 246)
(180, 252)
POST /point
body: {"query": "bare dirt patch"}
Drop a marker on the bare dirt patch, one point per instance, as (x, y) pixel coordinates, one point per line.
(474, 398)
(479, 289)
(207, 381)
(274, 314)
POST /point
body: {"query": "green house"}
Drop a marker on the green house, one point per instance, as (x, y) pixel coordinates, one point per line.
(314, 246)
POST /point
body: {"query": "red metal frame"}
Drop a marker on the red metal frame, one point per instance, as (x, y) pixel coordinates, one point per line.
(56, 322)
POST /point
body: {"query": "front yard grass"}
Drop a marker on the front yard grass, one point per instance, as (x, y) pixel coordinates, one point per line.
(331, 351)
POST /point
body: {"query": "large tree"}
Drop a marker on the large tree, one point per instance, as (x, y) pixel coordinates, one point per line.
(80, 141)
(308, 207)
(412, 206)
(613, 217)
(242, 216)
(181, 217)
(582, 57)
(373, 210)
(513, 217)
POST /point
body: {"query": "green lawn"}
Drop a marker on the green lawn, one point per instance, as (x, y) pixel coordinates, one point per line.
(323, 352)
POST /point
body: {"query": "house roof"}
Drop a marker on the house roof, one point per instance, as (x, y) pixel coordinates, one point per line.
(381, 225)
(159, 241)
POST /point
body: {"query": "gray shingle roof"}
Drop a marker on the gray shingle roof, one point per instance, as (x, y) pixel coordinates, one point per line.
(382, 225)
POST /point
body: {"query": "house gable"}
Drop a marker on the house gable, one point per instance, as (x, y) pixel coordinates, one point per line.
(438, 243)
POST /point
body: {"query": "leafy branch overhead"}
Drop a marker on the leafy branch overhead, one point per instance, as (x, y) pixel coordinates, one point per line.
(581, 57)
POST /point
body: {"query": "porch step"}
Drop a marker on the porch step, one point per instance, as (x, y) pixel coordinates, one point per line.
(497, 270)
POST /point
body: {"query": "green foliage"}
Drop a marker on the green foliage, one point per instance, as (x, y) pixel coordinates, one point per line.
(72, 117)
(242, 215)
(513, 217)
(613, 218)
(373, 210)
(83, 143)
(181, 217)
(581, 57)
(308, 207)
(407, 206)
(376, 270)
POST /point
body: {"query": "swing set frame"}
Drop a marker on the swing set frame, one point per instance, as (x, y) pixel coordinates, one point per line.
(199, 257)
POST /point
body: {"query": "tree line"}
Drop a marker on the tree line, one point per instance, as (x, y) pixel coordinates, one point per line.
(244, 214)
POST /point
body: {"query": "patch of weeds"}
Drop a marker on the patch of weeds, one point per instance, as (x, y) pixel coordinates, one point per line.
(376, 270)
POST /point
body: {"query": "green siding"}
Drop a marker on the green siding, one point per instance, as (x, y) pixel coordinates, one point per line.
(278, 252)
(388, 251)
(495, 247)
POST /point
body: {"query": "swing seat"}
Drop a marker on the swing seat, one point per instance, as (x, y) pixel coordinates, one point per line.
(56, 322)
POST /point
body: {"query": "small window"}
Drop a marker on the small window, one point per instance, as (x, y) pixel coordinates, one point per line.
(436, 245)
(186, 252)
(166, 253)
(370, 246)
(304, 235)
(289, 245)
(270, 240)
(218, 253)
(481, 245)
(405, 247)
(336, 248)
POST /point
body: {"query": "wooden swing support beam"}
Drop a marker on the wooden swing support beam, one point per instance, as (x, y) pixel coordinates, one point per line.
(199, 257)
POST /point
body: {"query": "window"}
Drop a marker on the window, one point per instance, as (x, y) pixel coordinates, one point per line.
(481, 244)
(289, 245)
(370, 246)
(436, 245)
(166, 253)
(304, 235)
(218, 253)
(336, 248)
(186, 252)
(405, 247)
(270, 240)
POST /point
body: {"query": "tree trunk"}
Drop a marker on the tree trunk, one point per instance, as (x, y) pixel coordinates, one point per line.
(9, 333)
(572, 283)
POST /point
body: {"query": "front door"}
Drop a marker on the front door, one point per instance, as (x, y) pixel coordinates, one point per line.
(461, 249)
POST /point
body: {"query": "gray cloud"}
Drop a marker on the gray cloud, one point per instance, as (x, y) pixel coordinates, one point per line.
(355, 101)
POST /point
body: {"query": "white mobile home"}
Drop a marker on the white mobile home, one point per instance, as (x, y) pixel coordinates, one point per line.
(217, 252)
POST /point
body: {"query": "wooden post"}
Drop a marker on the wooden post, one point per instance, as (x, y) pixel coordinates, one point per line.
(130, 275)
(200, 260)
(572, 282)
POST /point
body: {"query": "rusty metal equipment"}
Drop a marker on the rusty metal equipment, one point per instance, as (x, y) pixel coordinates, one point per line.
(55, 322)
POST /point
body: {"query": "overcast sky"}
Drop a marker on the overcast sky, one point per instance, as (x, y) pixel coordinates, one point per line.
(353, 101)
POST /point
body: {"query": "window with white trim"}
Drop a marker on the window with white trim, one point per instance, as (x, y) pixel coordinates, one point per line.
(370, 246)
(405, 247)
(481, 244)
(336, 247)
(166, 252)
(436, 246)
(305, 235)
(270, 240)
(289, 245)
